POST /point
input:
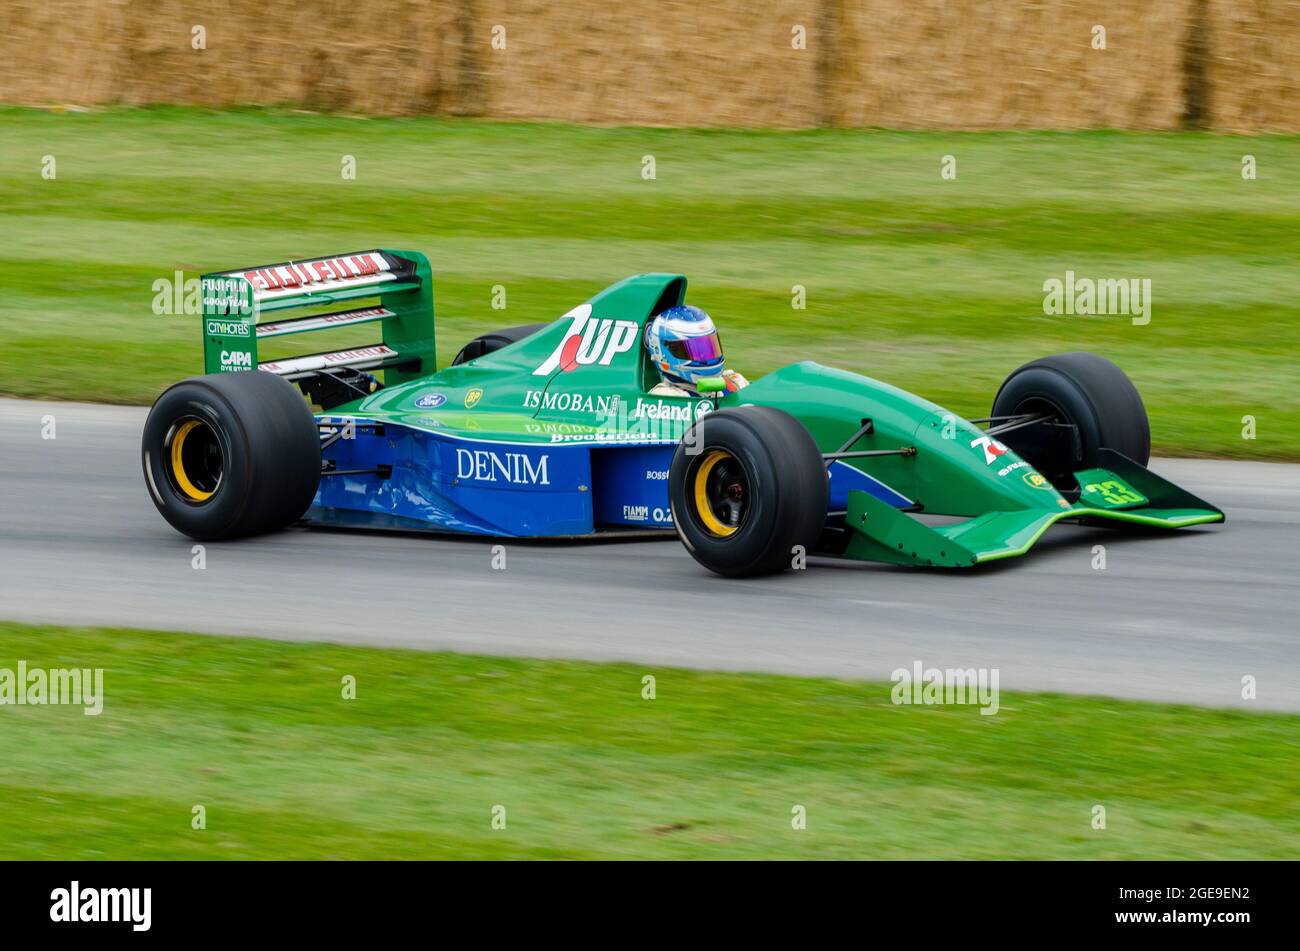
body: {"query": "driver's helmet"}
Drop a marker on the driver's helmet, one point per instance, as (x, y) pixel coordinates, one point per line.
(684, 345)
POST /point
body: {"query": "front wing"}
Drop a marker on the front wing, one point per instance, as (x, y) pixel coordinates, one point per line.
(1119, 490)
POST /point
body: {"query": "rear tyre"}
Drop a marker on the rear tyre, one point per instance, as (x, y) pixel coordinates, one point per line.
(752, 488)
(487, 343)
(1087, 391)
(231, 454)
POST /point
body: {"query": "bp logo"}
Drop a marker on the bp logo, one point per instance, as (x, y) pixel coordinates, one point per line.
(431, 401)
(473, 396)
(1036, 481)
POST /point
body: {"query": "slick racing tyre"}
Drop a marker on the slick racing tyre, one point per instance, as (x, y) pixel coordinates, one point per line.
(747, 485)
(1086, 391)
(487, 343)
(231, 454)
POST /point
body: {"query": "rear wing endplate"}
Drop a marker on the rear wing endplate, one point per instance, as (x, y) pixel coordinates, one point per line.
(393, 289)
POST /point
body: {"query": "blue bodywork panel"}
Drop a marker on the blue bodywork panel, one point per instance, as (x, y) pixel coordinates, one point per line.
(451, 483)
(845, 478)
(463, 485)
(632, 485)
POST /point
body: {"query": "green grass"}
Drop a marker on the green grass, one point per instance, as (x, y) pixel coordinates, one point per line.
(257, 732)
(933, 285)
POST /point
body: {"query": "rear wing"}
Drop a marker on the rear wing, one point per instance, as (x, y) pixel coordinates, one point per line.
(393, 289)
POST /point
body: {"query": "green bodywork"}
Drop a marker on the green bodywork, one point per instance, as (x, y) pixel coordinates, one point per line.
(1006, 503)
(596, 390)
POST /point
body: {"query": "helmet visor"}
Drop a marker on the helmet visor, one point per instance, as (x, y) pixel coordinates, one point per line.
(706, 349)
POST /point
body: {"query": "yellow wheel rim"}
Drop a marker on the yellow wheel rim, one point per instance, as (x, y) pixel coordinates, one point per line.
(710, 521)
(187, 487)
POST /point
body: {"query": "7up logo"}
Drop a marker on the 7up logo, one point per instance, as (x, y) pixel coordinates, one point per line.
(992, 448)
(589, 340)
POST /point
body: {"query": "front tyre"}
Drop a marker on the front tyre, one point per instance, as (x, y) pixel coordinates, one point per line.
(231, 454)
(1086, 391)
(747, 486)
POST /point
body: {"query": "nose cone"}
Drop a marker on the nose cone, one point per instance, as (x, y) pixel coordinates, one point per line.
(962, 471)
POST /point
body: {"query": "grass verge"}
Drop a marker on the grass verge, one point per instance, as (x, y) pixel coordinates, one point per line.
(934, 285)
(257, 732)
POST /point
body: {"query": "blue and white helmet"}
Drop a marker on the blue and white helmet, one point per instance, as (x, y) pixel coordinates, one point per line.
(684, 345)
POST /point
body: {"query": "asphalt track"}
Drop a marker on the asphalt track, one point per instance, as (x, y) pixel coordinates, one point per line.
(1176, 616)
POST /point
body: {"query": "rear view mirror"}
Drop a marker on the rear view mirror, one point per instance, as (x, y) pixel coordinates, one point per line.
(711, 384)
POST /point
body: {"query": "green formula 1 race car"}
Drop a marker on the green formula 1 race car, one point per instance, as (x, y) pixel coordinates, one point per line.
(552, 430)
